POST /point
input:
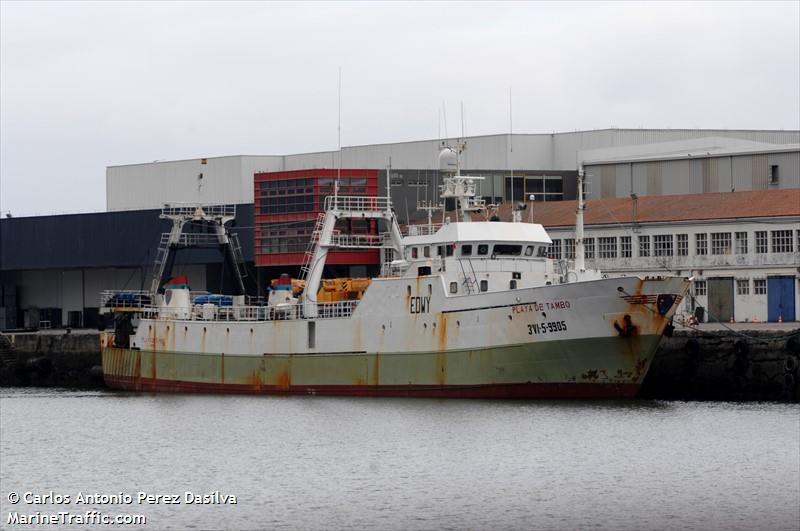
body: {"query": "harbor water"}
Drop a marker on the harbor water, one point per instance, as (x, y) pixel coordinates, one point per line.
(342, 463)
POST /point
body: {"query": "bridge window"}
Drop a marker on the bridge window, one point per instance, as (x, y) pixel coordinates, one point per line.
(507, 250)
(466, 250)
(449, 249)
(542, 251)
(414, 252)
(426, 251)
(483, 249)
(529, 250)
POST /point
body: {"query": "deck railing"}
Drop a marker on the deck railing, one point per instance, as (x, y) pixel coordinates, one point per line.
(209, 312)
(422, 230)
(190, 209)
(355, 203)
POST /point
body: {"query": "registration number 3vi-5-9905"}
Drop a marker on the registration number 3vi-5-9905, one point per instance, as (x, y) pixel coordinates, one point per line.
(547, 328)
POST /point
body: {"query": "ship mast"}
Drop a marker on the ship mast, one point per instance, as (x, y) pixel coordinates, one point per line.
(460, 187)
(580, 264)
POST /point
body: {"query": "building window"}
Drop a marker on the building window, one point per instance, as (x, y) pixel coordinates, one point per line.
(743, 286)
(741, 243)
(454, 287)
(544, 187)
(662, 245)
(683, 244)
(701, 244)
(720, 243)
(569, 249)
(607, 246)
(588, 248)
(283, 237)
(625, 244)
(700, 287)
(554, 251)
(759, 286)
(644, 246)
(782, 241)
(761, 241)
(285, 196)
(773, 174)
(484, 285)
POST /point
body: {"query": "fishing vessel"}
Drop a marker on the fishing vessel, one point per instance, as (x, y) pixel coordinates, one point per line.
(465, 308)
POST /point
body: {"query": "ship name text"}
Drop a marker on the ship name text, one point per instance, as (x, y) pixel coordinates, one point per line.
(420, 304)
(545, 328)
(540, 306)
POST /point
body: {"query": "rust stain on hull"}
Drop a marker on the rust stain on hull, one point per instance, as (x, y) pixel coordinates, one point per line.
(284, 380)
(441, 340)
(441, 368)
(376, 370)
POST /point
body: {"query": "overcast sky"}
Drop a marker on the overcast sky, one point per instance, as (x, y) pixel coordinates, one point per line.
(88, 85)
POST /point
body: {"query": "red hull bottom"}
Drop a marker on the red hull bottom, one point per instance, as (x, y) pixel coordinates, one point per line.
(522, 390)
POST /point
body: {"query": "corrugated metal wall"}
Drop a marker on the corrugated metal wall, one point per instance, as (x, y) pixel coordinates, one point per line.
(226, 180)
(654, 175)
(742, 178)
(229, 179)
(689, 176)
(710, 175)
(789, 168)
(118, 239)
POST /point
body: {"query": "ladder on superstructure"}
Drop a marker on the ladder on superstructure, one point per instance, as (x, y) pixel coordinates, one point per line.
(469, 282)
(312, 244)
(238, 257)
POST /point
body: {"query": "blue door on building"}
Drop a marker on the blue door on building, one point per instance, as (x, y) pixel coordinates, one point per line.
(780, 298)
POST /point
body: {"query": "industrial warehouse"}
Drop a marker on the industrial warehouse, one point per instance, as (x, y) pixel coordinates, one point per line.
(720, 206)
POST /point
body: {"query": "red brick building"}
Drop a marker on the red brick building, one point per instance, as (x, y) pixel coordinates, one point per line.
(287, 205)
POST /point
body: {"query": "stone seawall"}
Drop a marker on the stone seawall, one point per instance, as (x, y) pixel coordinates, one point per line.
(51, 360)
(726, 365)
(690, 365)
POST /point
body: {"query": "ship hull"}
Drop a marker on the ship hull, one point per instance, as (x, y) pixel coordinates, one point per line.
(592, 368)
(409, 338)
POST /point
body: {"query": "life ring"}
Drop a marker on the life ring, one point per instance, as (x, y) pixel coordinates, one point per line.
(790, 364)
